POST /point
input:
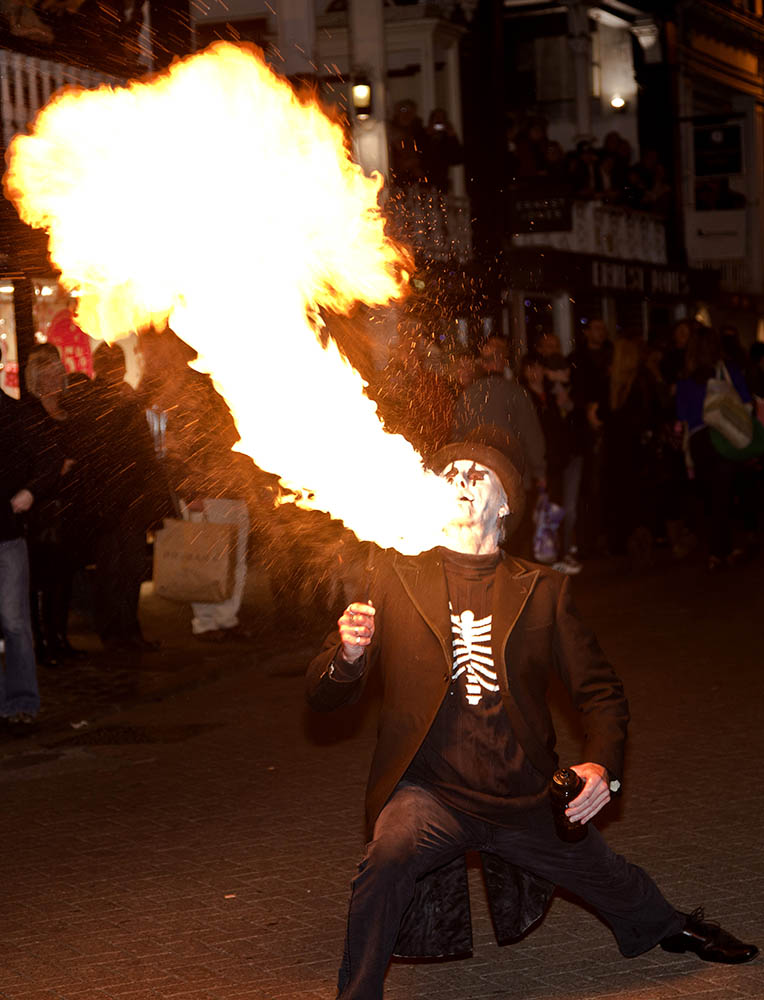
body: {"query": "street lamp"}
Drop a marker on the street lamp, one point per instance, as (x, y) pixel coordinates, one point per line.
(361, 95)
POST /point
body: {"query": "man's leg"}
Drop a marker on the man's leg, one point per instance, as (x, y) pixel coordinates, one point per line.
(18, 692)
(413, 835)
(623, 894)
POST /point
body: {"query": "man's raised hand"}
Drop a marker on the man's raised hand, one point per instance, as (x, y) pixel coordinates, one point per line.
(356, 630)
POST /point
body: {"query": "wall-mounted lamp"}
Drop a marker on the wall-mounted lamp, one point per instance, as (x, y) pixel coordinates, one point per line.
(617, 103)
(361, 93)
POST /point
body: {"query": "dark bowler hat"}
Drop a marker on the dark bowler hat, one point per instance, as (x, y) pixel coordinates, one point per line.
(488, 445)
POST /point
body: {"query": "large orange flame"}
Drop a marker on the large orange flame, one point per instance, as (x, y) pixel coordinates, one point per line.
(213, 198)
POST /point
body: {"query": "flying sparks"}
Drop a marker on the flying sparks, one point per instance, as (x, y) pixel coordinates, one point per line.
(212, 198)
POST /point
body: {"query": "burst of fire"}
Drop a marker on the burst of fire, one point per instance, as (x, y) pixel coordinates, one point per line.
(212, 198)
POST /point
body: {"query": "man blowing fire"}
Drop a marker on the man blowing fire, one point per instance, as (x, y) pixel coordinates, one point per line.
(467, 639)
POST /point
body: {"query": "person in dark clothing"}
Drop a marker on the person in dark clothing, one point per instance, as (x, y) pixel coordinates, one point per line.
(22, 478)
(718, 479)
(546, 379)
(467, 641)
(673, 363)
(632, 423)
(754, 374)
(130, 497)
(406, 139)
(60, 522)
(590, 370)
(441, 149)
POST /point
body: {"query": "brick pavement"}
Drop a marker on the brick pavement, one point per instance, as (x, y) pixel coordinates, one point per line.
(200, 845)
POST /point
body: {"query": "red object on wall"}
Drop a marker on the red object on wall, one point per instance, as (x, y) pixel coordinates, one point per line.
(73, 344)
(11, 375)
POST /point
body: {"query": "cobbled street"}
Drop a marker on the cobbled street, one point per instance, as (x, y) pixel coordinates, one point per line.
(182, 826)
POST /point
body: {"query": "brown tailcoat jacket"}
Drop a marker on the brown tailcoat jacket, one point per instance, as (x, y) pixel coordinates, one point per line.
(536, 633)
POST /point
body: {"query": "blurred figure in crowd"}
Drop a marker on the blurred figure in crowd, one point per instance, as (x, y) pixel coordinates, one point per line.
(546, 344)
(19, 693)
(733, 352)
(60, 521)
(530, 148)
(718, 478)
(755, 372)
(547, 380)
(585, 174)
(553, 165)
(441, 149)
(131, 498)
(673, 363)
(194, 433)
(493, 400)
(414, 399)
(590, 388)
(463, 369)
(406, 138)
(630, 429)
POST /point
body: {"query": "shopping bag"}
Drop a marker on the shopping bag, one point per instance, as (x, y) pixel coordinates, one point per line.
(724, 411)
(754, 449)
(194, 561)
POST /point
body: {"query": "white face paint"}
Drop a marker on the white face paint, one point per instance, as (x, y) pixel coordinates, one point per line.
(481, 503)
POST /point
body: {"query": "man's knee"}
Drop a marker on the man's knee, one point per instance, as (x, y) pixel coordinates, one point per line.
(392, 852)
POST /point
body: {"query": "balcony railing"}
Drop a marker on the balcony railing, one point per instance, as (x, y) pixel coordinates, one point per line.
(435, 227)
(606, 231)
(27, 84)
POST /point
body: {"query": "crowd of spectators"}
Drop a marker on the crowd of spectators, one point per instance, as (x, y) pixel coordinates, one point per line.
(608, 173)
(613, 435)
(90, 467)
(420, 155)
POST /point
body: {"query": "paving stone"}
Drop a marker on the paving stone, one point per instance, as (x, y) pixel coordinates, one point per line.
(117, 860)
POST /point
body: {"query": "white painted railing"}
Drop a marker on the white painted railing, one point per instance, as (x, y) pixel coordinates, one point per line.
(733, 274)
(607, 231)
(434, 226)
(28, 83)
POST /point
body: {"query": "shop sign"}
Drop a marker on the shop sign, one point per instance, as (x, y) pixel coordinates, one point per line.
(540, 206)
(638, 278)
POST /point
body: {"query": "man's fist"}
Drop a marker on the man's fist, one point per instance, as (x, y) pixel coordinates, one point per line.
(356, 630)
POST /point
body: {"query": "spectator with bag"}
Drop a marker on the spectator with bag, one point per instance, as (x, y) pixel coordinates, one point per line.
(541, 377)
(719, 477)
(194, 433)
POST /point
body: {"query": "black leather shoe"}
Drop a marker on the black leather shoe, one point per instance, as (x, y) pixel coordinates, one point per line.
(709, 941)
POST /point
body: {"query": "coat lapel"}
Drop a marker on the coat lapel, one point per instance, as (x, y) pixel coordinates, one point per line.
(425, 582)
(512, 588)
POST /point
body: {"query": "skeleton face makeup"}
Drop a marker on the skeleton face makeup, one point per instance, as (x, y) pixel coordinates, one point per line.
(480, 501)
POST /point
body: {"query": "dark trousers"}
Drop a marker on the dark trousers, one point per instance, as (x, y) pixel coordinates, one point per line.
(719, 481)
(416, 833)
(52, 568)
(120, 557)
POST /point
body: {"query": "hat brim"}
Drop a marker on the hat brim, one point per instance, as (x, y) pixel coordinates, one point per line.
(498, 463)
